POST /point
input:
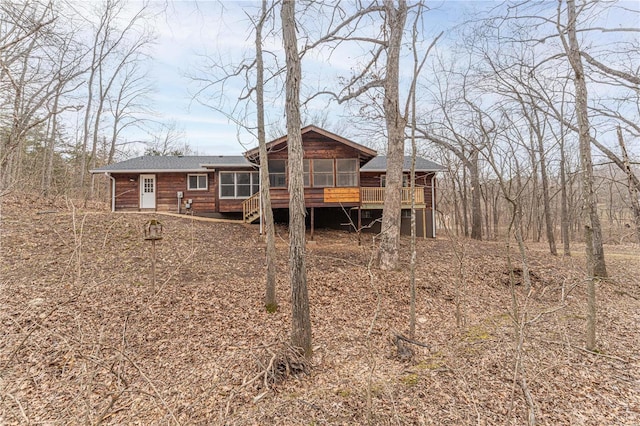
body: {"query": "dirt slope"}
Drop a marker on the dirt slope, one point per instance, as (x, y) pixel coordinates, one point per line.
(85, 339)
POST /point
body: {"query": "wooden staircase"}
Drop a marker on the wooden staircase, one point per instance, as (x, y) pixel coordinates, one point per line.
(251, 208)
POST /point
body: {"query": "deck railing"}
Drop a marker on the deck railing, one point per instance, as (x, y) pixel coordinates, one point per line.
(251, 206)
(368, 196)
(375, 195)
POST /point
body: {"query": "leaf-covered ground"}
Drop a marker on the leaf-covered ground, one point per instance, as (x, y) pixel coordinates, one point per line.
(87, 339)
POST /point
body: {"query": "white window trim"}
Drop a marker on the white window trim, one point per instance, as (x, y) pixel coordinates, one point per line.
(189, 188)
(235, 184)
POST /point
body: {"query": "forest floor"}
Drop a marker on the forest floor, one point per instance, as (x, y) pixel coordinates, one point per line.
(87, 339)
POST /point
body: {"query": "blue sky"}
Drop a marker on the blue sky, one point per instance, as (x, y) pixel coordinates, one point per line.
(188, 30)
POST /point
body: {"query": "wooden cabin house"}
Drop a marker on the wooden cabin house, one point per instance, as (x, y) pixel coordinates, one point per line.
(344, 184)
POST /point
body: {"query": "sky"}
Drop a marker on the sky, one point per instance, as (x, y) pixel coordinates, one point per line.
(188, 32)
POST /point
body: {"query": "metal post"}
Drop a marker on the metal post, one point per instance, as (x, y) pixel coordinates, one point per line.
(312, 221)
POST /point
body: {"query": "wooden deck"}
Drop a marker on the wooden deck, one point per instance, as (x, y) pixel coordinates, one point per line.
(371, 198)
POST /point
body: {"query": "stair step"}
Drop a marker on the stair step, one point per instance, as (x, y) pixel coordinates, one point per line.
(252, 217)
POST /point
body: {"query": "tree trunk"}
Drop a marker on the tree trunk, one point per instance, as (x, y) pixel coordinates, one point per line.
(301, 321)
(396, 123)
(465, 202)
(476, 206)
(270, 300)
(456, 206)
(496, 214)
(546, 198)
(49, 149)
(592, 232)
(564, 208)
(487, 211)
(534, 214)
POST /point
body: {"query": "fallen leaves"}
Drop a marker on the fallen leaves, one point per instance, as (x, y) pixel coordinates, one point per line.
(85, 339)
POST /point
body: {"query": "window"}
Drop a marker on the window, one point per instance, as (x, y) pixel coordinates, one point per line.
(197, 182)
(243, 185)
(239, 184)
(347, 172)
(305, 172)
(322, 173)
(406, 214)
(277, 174)
(405, 181)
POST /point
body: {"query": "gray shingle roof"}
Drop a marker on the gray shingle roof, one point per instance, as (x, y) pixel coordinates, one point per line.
(187, 163)
(379, 164)
(197, 163)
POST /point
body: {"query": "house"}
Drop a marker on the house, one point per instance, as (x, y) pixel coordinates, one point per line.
(344, 184)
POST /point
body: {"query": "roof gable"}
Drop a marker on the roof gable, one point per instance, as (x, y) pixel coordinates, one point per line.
(367, 153)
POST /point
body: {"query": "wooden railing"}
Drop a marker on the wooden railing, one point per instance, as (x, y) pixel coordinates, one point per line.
(251, 207)
(375, 195)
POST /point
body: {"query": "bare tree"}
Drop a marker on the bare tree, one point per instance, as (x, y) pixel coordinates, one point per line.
(217, 74)
(271, 300)
(126, 104)
(123, 46)
(374, 76)
(592, 231)
(301, 320)
(454, 132)
(396, 123)
(169, 139)
(34, 72)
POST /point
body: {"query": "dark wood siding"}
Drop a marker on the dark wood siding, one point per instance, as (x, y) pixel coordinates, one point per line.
(317, 146)
(127, 192)
(168, 185)
(370, 179)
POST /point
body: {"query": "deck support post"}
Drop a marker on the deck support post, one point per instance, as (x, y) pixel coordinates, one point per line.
(359, 230)
(424, 222)
(312, 221)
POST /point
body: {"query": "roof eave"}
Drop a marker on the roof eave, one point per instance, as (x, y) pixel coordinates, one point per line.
(225, 166)
(149, 171)
(404, 170)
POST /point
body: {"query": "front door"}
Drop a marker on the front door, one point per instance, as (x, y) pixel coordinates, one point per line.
(147, 191)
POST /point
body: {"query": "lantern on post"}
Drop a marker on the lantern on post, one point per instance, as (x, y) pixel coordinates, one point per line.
(153, 232)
